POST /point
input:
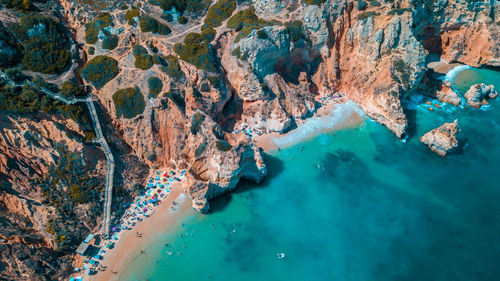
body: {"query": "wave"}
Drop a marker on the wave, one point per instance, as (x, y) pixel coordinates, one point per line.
(341, 115)
(450, 76)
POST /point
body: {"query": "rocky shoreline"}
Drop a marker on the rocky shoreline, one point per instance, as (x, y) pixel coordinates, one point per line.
(262, 69)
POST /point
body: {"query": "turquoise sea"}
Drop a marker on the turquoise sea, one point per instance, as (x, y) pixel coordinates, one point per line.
(356, 204)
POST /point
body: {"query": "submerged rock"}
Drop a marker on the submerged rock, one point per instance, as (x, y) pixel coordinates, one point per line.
(478, 94)
(443, 139)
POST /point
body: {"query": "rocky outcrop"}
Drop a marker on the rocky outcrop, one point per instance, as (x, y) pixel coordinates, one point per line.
(478, 94)
(446, 94)
(216, 165)
(442, 140)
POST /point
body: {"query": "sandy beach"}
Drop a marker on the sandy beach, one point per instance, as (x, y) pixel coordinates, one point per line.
(129, 245)
(442, 67)
(329, 118)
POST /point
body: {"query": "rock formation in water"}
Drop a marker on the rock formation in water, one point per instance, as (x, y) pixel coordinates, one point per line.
(442, 140)
(170, 93)
(447, 94)
(478, 94)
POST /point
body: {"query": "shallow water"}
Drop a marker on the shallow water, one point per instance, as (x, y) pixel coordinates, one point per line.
(356, 204)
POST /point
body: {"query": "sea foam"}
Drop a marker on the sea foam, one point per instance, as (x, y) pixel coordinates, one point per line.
(450, 76)
(341, 115)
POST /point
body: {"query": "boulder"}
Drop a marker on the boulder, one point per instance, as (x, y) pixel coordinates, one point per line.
(478, 94)
(446, 94)
(442, 140)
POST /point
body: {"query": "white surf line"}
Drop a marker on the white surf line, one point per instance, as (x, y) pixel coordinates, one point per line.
(110, 162)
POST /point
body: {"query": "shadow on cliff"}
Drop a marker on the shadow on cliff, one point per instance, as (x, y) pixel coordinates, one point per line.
(274, 168)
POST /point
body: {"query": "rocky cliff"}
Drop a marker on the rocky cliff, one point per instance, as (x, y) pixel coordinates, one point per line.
(173, 94)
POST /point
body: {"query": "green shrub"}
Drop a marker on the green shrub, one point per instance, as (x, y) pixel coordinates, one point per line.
(208, 34)
(45, 43)
(131, 14)
(128, 102)
(214, 81)
(400, 72)
(182, 20)
(172, 69)
(362, 5)
(29, 100)
(366, 15)
(196, 122)
(149, 24)
(374, 3)
(71, 90)
(294, 30)
(110, 42)
(124, 7)
(177, 99)
(92, 28)
(10, 51)
(236, 52)
(91, 50)
(398, 11)
(200, 149)
(245, 22)
(219, 12)
(144, 62)
(196, 51)
(194, 6)
(155, 86)
(223, 145)
(139, 50)
(315, 2)
(100, 70)
(22, 5)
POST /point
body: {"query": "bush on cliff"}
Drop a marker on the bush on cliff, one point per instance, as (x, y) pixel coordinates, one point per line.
(223, 145)
(149, 24)
(71, 90)
(143, 60)
(245, 22)
(100, 70)
(315, 2)
(110, 42)
(172, 67)
(194, 6)
(45, 43)
(10, 51)
(196, 122)
(128, 102)
(219, 12)
(155, 86)
(131, 14)
(177, 99)
(94, 27)
(294, 30)
(196, 51)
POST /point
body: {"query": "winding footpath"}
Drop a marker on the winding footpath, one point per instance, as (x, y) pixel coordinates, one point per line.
(110, 163)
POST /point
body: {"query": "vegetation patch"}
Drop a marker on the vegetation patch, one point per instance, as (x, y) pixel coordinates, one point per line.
(196, 122)
(315, 2)
(219, 12)
(177, 99)
(10, 50)
(94, 27)
(100, 70)
(45, 43)
(208, 34)
(182, 20)
(362, 5)
(294, 30)
(71, 90)
(128, 102)
(172, 67)
(131, 15)
(155, 86)
(110, 42)
(200, 149)
(400, 72)
(366, 15)
(245, 22)
(196, 51)
(197, 7)
(149, 24)
(223, 145)
(29, 100)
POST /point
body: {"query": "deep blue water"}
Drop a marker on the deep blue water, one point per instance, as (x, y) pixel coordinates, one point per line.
(355, 204)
